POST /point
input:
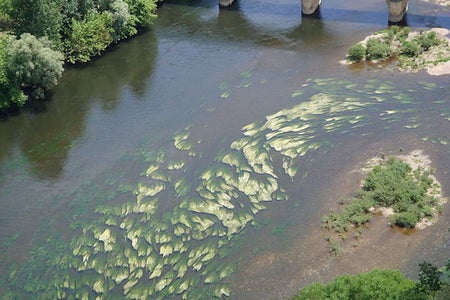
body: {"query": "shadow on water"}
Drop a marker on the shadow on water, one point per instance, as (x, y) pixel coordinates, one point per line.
(46, 145)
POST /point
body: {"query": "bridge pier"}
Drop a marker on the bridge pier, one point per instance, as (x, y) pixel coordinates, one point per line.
(309, 7)
(397, 8)
(226, 3)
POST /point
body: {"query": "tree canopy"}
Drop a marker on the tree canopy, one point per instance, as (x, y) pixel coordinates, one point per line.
(51, 32)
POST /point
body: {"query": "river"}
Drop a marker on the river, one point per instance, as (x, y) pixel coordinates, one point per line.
(140, 175)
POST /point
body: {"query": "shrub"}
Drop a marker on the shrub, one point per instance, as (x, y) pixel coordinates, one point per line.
(429, 278)
(410, 49)
(376, 50)
(406, 219)
(394, 184)
(336, 247)
(376, 284)
(403, 34)
(427, 40)
(356, 52)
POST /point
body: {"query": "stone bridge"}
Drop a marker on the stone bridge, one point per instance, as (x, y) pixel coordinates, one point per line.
(397, 8)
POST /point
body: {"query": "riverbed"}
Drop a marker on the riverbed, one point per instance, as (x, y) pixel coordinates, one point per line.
(204, 94)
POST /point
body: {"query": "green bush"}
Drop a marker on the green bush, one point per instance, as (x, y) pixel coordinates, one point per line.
(376, 284)
(429, 278)
(427, 40)
(356, 52)
(143, 12)
(406, 219)
(121, 20)
(376, 50)
(39, 18)
(392, 184)
(395, 185)
(89, 37)
(403, 34)
(410, 49)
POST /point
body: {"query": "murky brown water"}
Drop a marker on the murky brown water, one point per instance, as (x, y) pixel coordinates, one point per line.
(217, 71)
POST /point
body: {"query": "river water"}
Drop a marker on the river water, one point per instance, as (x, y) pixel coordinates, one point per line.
(138, 178)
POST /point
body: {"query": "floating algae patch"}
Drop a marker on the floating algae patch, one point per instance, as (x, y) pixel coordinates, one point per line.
(143, 249)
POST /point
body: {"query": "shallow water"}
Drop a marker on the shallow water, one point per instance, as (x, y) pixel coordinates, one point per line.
(208, 73)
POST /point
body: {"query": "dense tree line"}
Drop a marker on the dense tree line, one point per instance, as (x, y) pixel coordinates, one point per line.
(41, 35)
(433, 284)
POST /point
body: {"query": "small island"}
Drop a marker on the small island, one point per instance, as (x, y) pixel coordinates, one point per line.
(400, 188)
(412, 50)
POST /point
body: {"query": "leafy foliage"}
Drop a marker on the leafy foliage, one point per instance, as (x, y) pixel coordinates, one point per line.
(142, 12)
(377, 50)
(376, 284)
(10, 93)
(411, 49)
(89, 37)
(429, 278)
(34, 63)
(395, 41)
(356, 52)
(39, 17)
(427, 40)
(394, 184)
(354, 213)
(81, 28)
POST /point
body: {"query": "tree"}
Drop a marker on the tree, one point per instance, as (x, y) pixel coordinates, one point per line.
(376, 284)
(5, 8)
(38, 17)
(143, 12)
(34, 63)
(89, 37)
(10, 93)
(121, 20)
(429, 278)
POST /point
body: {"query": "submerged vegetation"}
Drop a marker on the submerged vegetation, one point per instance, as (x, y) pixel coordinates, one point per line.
(413, 196)
(413, 50)
(174, 237)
